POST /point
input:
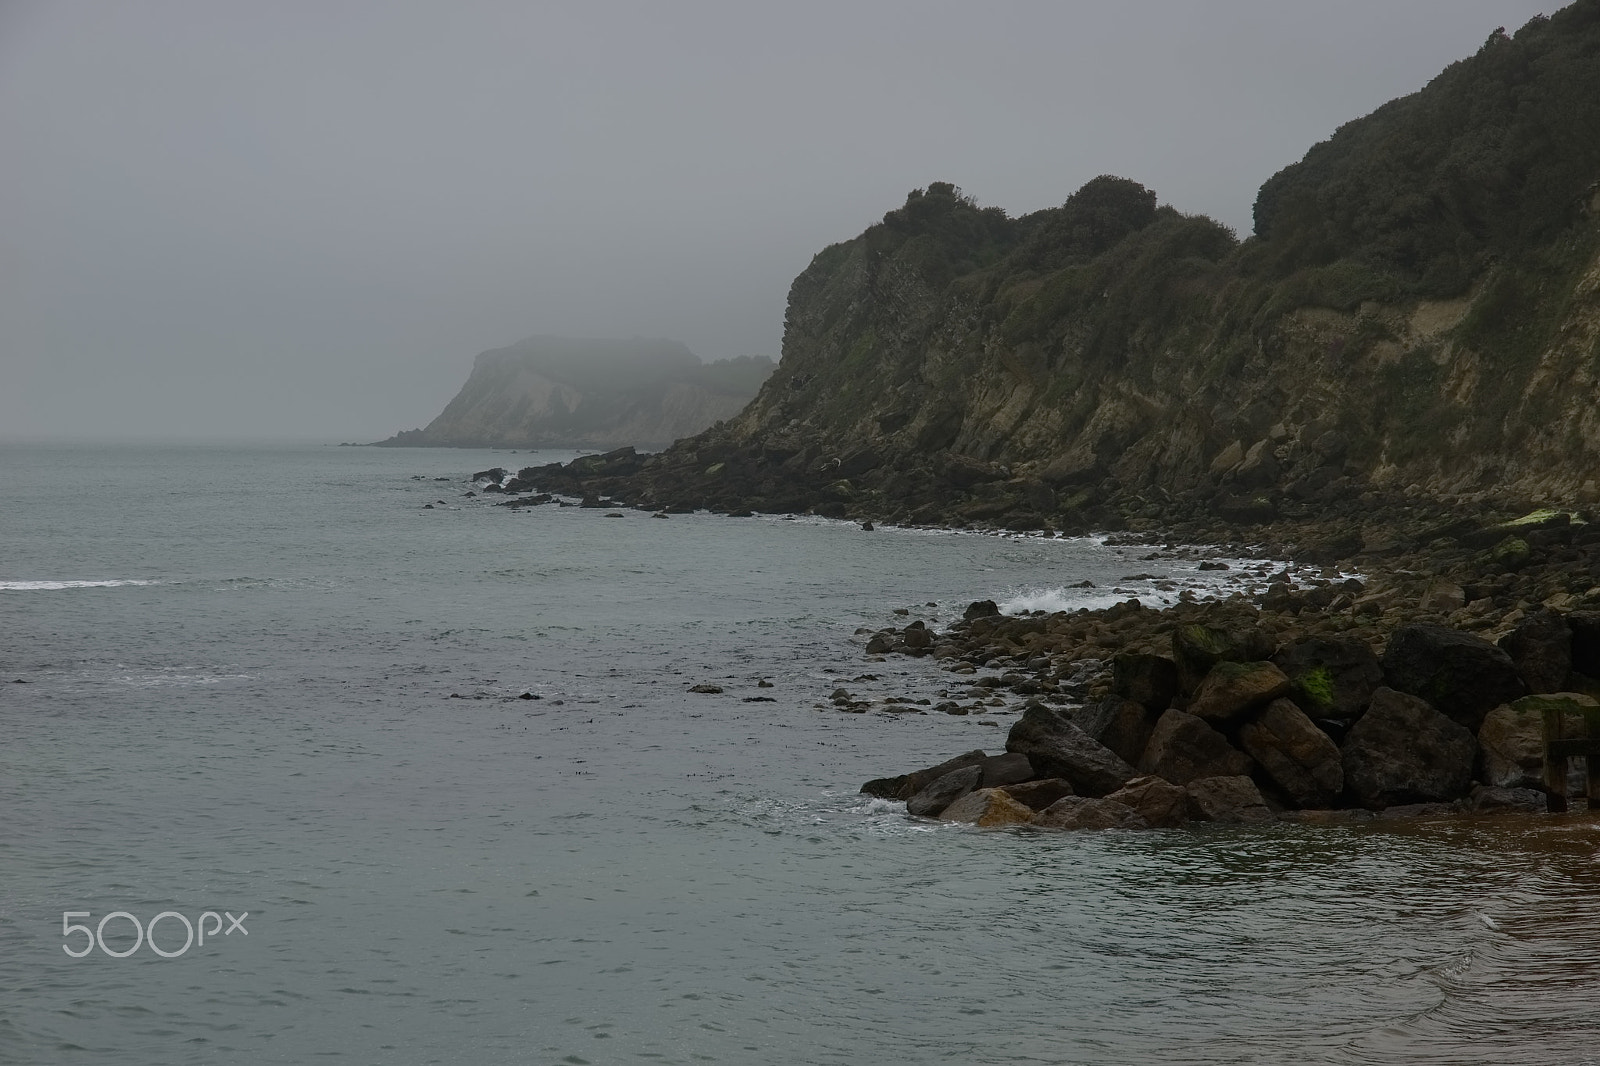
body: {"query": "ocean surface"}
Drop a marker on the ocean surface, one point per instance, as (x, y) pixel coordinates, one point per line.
(267, 682)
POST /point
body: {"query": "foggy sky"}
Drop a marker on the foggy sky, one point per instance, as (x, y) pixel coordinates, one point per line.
(303, 219)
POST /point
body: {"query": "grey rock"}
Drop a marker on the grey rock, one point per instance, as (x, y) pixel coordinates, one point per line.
(1123, 725)
(1300, 759)
(1232, 689)
(1159, 802)
(1540, 647)
(1059, 748)
(1009, 769)
(931, 801)
(1083, 812)
(1332, 679)
(1405, 751)
(1459, 674)
(907, 785)
(1183, 748)
(1037, 795)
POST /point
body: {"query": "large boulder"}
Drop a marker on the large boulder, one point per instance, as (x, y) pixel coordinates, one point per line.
(1082, 812)
(1197, 648)
(1511, 739)
(1234, 800)
(1159, 802)
(1403, 750)
(1057, 747)
(1300, 759)
(1123, 725)
(932, 800)
(1009, 769)
(1329, 678)
(1459, 674)
(1183, 748)
(988, 807)
(1038, 795)
(1150, 680)
(1585, 626)
(907, 785)
(1231, 690)
(1540, 647)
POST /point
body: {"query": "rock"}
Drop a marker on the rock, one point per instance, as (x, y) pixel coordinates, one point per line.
(1057, 747)
(1011, 768)
(1460, 674)
(1150, 680)
(1231, 690)
(1234, 799)
(1300, 759)
(1345, 816)
(706, 689)
(988, 807)
(1183, 748)
(879, 643)
(939, 794)
(1197, 648)
(1038, 795)
(1403, 811)
(1442, 596)
(494, 473)
(1159, 802)
(1330, 678)
(1081, 812)
(1488, 798)
(1540, 647)
(1120, 724)
(980, 609)
(1513, 553)
(1511, 739)
(1585, 626)
(907, 785)
(1405, 751)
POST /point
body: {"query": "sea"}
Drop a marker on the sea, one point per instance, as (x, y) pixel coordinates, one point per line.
(306, 756)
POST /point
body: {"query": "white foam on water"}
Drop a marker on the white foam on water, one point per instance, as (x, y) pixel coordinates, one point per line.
(38, 586)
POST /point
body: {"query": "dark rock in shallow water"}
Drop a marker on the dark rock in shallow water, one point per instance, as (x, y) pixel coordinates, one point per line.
(1459, 674)
(494, 473)
(1038, 795)
(1183, 748)
(980, 609)
(1231, 690)
(1083, 812)
(1487, 798)
(1300, 759)
(1234, 800)
(1330, 678)
(1405, 751)
(1149, 680)
(1541, 649)
(907, 785)
(939, 794)
(1012, 768)
(708, 690)
(1059, 748)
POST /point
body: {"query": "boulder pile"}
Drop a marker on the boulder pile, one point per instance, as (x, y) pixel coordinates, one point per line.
(1220, 714)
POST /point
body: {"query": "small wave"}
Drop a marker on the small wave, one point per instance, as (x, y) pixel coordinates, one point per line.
(154, 680)
(36, 586)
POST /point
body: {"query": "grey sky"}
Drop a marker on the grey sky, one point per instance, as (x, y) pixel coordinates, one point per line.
(303, 219)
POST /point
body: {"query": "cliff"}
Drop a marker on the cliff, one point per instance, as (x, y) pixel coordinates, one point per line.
(570, 393)
(1416, 318)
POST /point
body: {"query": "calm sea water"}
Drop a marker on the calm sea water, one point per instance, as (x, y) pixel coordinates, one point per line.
(266, 680)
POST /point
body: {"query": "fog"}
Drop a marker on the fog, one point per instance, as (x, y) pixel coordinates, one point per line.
(302, 219)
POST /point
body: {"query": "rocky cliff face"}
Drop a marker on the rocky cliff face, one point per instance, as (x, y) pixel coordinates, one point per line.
(562, 392)
(1417, 317)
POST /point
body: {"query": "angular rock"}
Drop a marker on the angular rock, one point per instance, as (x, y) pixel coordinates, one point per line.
(980, 609)
(1197, 648)
(1459, 674)
(1541, 648)
(931, 801)
(1232, 799)
(1158, 801)
(1123, 725)
(1511, 739)
(1405, 751)
(1059, 748)
(1038, 795)
(988, 807)
(1585, 626)
(1300, 759)
(1183, 748)
(1150, 680)
(1231, 690)
(907, 785)
(1082, 812)
(1331, 678)
(1009, 769)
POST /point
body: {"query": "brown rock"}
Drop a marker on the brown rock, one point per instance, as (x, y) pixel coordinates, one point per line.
(1231, 690)
(1183, 748)
(1232, 799)
(1511, 739)
(1150, 680)
(1038, 795)
(1301, 759)
(1082, 812)
(988, 807)
(1158, 801)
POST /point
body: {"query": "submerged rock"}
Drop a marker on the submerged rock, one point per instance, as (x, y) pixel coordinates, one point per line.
(1083, 812)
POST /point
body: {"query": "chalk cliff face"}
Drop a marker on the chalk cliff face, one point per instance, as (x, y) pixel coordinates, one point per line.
(1418, 313)
(564, 392)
